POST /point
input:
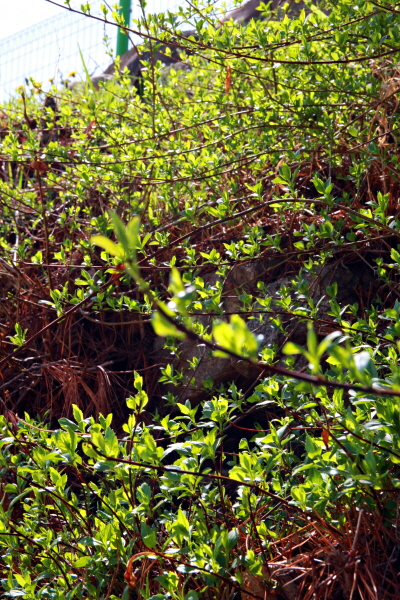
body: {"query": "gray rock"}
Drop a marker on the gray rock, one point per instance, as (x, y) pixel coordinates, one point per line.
(243, 277)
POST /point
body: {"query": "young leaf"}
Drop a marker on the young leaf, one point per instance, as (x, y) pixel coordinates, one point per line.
(163, 327)
(107, 245)
(235, 337)
(132, 233)
(292, 348)
(120, 231)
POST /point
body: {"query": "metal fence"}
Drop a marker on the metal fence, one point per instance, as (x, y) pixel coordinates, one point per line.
(50, 50)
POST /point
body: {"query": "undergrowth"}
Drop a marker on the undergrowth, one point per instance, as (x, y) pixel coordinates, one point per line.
(258, 181)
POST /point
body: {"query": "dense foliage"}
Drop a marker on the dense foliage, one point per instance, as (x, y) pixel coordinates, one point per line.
(252, 189)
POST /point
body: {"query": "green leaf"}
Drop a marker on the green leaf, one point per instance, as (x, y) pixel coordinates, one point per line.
(144, 493)
(78, 414)
(312, 341)
(175, 282)
(319, 184)
(163, 327)
(292, 348)
(149, 536)
(233, 537)
(120, 231)
(332, 290)
(327, 341)
(285, 173)
(82, 562)
(235, 337)
(299, 495)
(132, 233)
(183, 520)
(137, 381)
(364, 363)
(312, 448)
(89, 451)
(90, 541)
(111, 443)
(369, 463)
(107, 245)
(395, 255)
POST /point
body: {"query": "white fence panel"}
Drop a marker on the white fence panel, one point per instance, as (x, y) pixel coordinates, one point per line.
(49, 51)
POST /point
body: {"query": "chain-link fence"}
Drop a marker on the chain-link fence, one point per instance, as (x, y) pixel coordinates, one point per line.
(52, 49)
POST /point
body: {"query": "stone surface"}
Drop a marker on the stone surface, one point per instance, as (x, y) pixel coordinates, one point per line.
(352, 281)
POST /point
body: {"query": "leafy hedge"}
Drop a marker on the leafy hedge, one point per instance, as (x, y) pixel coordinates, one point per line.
(275, 141)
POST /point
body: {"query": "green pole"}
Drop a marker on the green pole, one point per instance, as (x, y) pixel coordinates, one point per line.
(122, 38)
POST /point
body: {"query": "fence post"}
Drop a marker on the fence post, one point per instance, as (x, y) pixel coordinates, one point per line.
(122, 38)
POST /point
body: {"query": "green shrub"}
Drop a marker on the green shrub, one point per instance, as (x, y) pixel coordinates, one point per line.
(277, 146)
